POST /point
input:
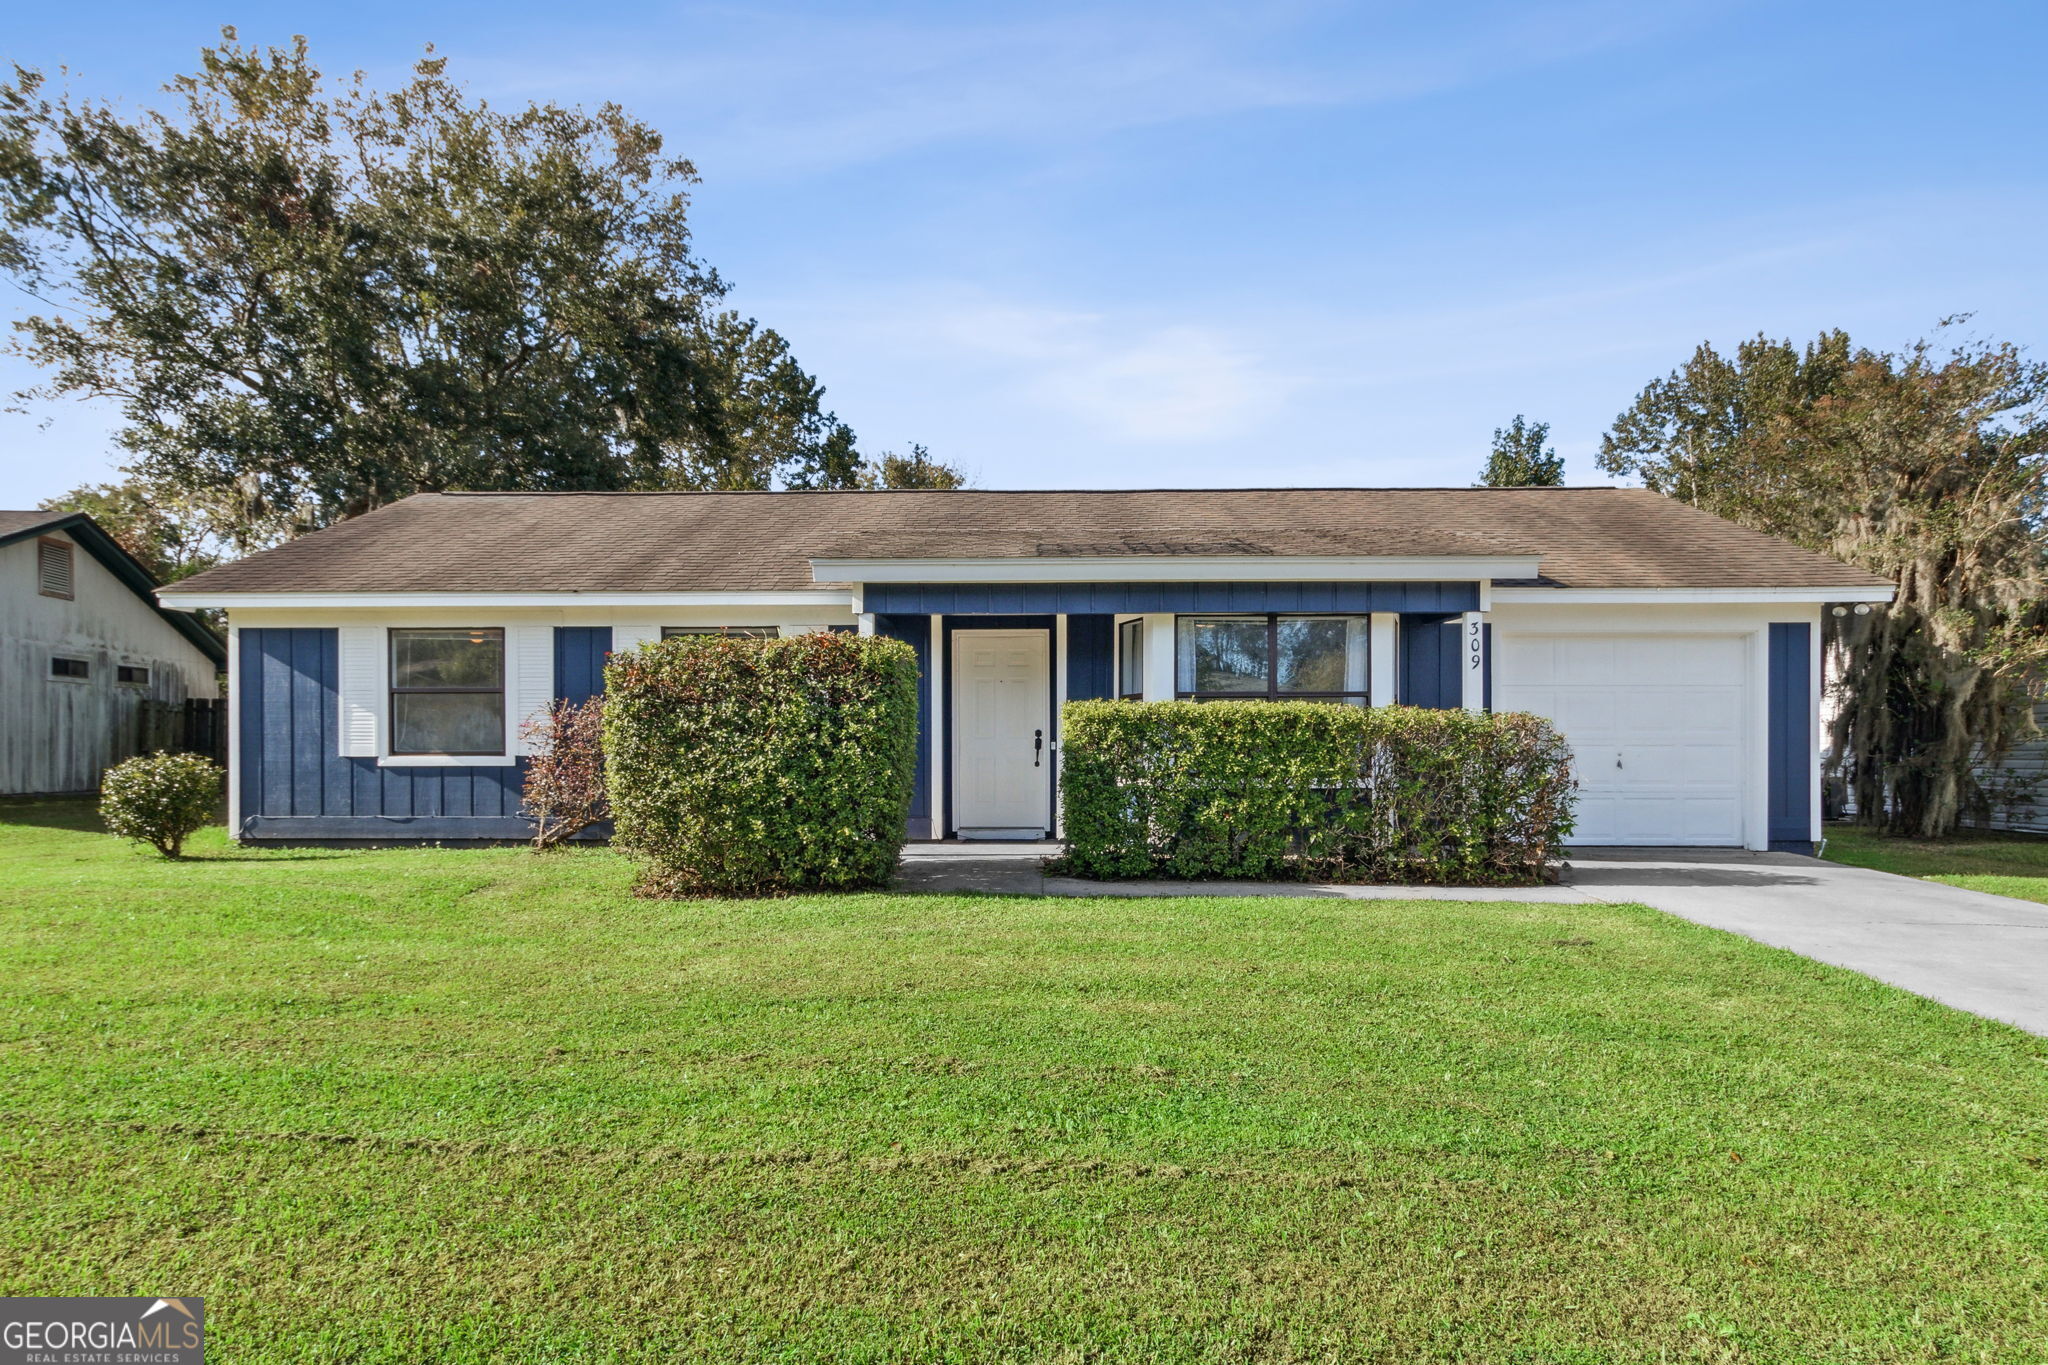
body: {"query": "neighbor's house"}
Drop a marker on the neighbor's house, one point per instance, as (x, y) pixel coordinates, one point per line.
(84, 651)
(381, 668)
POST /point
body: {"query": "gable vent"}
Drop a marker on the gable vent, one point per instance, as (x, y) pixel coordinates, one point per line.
(53, 568)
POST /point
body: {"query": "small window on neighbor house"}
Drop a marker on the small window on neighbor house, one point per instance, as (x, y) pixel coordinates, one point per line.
(1130, 661)
(131, 673)
(448, 691)
(745, 632)
(53, 567)
(70, 668)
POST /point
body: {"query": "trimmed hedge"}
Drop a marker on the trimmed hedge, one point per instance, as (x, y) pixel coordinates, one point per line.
(1307, 790)
(743, 767)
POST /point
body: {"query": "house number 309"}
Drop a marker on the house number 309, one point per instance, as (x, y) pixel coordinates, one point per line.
(1474, 644)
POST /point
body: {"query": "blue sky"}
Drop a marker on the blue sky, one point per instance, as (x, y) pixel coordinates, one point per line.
(1126, 245)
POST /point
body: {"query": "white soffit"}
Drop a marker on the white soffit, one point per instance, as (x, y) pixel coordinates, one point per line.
(1176, 569)
(809, 597)
(1619, 596)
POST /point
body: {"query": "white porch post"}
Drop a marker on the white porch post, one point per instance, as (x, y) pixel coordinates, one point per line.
(1472, 666)
(1159, 657)
(937, 714)
(233, 693)
(1816, 684)
(1383, 653)
(867, 623)
(1059, 700)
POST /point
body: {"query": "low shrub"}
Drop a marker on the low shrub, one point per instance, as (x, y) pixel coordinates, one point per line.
(1312, 791)
(759, 767)
(160, 799)
(563, 793)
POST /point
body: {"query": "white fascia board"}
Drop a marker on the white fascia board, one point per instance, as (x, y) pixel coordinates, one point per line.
(1603, 596)
(1176, 569)
(808, 597)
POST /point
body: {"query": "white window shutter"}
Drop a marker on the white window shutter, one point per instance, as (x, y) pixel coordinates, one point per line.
(529, 678)
(362, 687)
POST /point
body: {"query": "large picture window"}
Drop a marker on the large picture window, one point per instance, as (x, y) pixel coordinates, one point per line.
(448, 691)
(1271, 657)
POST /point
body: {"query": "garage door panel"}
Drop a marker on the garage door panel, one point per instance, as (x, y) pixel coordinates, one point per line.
(1699, 765)
(1677, 713)
(1580, 663)
(1531, 667)
(1672, 818)
(1584, 710)
(1657, 726)
(1675, 660)
(1665, 765)
(1595, 819)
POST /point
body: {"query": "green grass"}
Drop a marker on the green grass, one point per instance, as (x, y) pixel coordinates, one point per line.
(481, 1105)
(1982, 860)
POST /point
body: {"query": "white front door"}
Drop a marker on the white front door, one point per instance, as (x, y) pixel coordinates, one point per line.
(1002, 733)
(1658, 725)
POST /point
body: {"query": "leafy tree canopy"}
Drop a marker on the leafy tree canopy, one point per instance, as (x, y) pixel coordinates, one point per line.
(1925, 466)
(167, 540)
(309, 297)
(1520, 458)
(916, 470)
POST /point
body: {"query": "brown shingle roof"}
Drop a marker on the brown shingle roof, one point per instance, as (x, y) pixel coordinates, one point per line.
(14, 523)
(680, 542)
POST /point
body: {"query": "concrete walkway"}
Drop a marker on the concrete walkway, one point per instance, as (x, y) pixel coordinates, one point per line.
(1986, 954)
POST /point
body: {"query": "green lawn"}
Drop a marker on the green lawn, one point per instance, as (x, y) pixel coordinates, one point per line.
(2003, 864)
(481, 1105)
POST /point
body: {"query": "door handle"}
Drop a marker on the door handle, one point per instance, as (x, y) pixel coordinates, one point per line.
(1037, 746)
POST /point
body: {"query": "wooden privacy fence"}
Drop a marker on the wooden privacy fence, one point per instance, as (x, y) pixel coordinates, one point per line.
(198, 725)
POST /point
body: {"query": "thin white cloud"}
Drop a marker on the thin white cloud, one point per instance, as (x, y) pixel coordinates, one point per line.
(1116, 378)
(776, 89)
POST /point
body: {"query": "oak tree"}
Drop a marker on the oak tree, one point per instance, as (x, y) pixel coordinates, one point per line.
(1928, 466)
(310, 297)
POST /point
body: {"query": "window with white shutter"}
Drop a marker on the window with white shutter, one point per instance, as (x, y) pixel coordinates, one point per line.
(362, 691)
(53, 568)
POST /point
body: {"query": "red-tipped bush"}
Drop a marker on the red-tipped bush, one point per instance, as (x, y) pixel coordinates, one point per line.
(564, 791)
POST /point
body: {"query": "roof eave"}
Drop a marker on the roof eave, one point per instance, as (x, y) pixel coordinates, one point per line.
(1177, 569)
(1620, 596)
(233, 600)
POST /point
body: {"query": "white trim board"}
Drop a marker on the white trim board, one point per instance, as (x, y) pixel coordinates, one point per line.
(233, 693)
(806, 597)
(1178, 569)
(1617, 596)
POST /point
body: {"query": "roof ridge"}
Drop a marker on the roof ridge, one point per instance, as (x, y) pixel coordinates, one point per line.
(838, 492)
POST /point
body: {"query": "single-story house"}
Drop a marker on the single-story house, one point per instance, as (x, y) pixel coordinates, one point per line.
(381, 668)
(88, 659)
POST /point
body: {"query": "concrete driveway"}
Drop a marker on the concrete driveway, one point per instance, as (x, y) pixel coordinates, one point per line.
(1986, 954)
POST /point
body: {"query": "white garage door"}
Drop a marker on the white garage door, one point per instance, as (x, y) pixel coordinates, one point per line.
(1657, 725)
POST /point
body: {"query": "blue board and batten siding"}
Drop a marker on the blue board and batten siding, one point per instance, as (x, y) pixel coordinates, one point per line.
(1429, 655)
(1791, 744)
(1109, 599)
(295, 783)
(1091, 658)
(579, 661)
